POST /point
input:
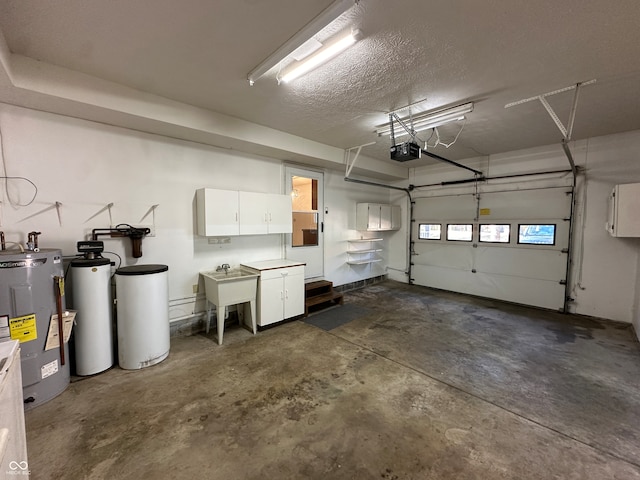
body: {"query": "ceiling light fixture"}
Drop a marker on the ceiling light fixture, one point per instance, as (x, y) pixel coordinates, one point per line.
(426, 120)
(327, 52)
(327, 16)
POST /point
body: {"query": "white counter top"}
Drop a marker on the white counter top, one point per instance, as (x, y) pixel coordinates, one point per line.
(271, 264)
(7, 349)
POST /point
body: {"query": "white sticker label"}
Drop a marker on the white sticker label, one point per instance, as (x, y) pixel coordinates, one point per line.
(57, 260)
(4, 326)
(49, 369)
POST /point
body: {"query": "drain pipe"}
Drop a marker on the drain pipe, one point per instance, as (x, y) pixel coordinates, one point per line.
(408, 192)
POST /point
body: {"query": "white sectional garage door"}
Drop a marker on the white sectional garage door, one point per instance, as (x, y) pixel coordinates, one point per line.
(517, 249)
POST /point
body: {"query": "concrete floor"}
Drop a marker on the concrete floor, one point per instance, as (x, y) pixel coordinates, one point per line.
(426, 385)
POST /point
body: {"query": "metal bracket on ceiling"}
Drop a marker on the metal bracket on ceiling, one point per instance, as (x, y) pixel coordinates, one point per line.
(347, 157)
(568, 130)
(408, 128)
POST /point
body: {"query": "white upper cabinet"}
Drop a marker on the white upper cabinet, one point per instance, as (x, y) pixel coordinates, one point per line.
(253, 213)
(385, 217)
(624, 211)
(279, 213)
(377, 217)
(217, 212)
(226, 212)
(396, 217)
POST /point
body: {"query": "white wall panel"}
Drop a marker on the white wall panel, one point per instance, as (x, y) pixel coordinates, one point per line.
(522, 262)
(451, 255)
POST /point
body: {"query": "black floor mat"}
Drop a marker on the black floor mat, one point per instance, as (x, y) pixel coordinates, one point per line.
(336, 316)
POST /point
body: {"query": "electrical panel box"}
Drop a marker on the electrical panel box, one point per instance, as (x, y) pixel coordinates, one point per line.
(624, 211)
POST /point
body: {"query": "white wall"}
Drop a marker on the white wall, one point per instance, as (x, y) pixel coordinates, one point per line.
(605, 281)
(340, 199)
(85, 166)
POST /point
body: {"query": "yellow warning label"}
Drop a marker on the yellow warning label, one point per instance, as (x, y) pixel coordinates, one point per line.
(61, 285)
(23, 328)
(485, 211)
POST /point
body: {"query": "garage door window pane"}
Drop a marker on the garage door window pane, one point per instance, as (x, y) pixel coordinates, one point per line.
(495, 233)
(430, 231)
(537, 234)
(460, 232)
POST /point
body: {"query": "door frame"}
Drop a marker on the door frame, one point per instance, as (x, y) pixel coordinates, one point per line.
(312, 256)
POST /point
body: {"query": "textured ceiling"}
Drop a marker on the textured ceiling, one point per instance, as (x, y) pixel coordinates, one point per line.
(448, 52)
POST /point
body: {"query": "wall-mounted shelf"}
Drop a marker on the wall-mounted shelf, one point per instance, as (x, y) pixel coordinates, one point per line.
(365, 240)
(364, 262)
(363, 256)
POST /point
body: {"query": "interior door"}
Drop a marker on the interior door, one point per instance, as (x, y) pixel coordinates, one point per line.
(305, 243)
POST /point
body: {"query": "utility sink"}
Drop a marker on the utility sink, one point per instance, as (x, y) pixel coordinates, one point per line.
(231, 287)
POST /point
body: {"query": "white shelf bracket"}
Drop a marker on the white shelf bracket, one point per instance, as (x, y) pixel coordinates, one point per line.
(347, 157)
(568, 130)
(58, 205)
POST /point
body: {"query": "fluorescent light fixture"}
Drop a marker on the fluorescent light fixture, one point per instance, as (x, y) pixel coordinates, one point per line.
(324, 54)
(426, 120)
(327, 16)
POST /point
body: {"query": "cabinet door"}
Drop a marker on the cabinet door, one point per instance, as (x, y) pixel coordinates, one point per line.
(626, 204)
(252, 213)
(217, 212)
(271, 300)
(362, 216)
(385, 217)
(293, 295)
(396, 217)
(279, 213)
(373, 222)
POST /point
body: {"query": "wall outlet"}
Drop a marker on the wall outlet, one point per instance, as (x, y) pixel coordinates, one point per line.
(195, 288)
(217, 240)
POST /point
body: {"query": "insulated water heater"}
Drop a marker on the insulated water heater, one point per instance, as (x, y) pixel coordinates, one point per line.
(28, 302)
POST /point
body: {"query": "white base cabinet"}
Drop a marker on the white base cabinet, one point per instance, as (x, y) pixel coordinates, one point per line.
(280, 290)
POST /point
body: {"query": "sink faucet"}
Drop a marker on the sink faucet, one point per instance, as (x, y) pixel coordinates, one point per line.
(224, 266)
